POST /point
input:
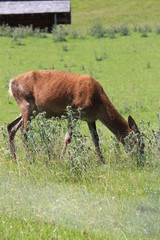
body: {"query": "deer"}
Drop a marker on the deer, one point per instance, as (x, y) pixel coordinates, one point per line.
(51, 91)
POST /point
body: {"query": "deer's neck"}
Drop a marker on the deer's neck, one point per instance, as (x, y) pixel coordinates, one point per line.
(115, 122)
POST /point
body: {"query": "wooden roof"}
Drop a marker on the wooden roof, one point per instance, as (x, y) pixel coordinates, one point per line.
(31, 7)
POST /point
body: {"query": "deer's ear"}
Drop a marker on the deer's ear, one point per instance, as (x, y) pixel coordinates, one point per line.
(132, 124)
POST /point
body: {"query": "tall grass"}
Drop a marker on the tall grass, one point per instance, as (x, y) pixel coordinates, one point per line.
(45, 142)
(60, 33)
(40, 189)
(22, 31)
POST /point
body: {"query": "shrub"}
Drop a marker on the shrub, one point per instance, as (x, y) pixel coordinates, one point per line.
(123, 30)
(144, 34)
(17, 40)
(41, 32)
(158, 29)
(97, 30)
(146, 28)
(28, 31)
(45, 142)
(135, 28)
(74, 33)
(59, 35)
(112, 31)
(22, 31)
(5, 30)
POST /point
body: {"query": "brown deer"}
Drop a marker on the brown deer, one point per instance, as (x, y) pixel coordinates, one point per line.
(51, 91)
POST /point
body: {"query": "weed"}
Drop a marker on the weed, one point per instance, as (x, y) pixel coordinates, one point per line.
(135, 28)
(65, 65)
(73, 33)
(52, 66)
(148, 65)
(126, 107)
(4, 148)
(83, 68)
(65, 48)
(61, 58)
(101, 56)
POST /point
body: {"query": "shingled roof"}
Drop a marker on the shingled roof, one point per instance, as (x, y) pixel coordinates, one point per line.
(31, 7)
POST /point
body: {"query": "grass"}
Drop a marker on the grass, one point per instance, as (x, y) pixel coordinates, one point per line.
(130, 68)
(114, 12)
(43, 196)
(33, 210)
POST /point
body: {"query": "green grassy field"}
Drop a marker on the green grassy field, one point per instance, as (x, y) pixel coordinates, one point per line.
(114, 12)
(44, 196)
(129, 73)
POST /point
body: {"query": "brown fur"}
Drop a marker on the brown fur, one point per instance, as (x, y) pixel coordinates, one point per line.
(52, 91)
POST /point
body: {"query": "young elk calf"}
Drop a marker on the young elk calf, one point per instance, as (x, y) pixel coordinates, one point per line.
(51, 91)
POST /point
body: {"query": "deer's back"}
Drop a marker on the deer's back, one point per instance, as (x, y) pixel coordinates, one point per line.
(53, 90)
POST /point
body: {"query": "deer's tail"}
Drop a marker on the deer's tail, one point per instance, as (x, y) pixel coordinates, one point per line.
(10, 88)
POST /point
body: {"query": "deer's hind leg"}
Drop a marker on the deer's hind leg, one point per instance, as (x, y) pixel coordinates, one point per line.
(26, 112)
(27, 109)
(12, 128)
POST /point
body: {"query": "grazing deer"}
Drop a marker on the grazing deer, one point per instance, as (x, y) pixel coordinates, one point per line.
(51, 91)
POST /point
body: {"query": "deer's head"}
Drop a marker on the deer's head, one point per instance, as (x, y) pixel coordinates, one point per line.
(135, 138)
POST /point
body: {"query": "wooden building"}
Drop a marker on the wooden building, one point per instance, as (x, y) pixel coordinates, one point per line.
(38, 13)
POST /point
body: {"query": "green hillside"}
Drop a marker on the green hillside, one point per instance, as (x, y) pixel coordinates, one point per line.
(115, 12)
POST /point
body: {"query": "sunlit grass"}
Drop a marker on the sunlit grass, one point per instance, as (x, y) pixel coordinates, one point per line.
(114, 12)
(129, 68)
(43, 195)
